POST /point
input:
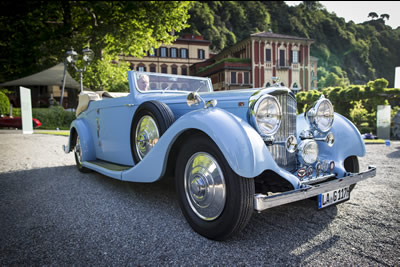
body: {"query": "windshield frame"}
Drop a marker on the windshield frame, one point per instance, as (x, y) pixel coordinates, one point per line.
(135, 76)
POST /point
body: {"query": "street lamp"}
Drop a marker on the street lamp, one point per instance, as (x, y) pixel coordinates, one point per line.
(71, 58)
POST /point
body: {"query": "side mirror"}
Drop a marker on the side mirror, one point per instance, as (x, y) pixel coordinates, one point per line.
(193, 98)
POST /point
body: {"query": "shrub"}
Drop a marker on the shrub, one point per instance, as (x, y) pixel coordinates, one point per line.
(51, 118)
(4, 104)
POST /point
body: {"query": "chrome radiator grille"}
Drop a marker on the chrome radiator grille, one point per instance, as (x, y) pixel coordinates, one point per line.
(283, 158)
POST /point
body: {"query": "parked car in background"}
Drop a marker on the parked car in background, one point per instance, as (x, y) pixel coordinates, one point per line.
(231, 152)
(16, 122)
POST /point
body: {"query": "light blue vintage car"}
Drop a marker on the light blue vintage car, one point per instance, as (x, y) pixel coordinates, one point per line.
(231, 152)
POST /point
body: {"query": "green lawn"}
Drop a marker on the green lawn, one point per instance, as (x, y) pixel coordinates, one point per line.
(53, 132)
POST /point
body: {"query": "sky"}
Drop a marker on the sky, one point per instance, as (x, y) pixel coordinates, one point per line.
(358, 11)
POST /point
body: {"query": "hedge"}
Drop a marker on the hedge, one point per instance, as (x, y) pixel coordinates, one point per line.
(51, 118)
(4, 104)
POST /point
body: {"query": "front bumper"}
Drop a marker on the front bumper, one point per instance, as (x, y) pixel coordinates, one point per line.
(263, 202)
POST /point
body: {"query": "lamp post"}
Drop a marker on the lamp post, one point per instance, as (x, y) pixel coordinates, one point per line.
(71, 58)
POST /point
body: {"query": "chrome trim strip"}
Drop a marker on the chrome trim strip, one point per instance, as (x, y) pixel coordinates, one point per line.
(263, 202)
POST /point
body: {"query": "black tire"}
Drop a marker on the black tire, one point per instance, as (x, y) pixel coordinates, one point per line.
(78, 156)
(237, 206)
(162, 116)
(351, 165)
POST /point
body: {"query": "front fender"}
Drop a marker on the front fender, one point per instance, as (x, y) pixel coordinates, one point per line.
(241, 145)
(86, 139)
(348, 141)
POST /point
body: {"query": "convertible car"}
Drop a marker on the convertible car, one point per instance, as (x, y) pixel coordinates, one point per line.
(231, 152)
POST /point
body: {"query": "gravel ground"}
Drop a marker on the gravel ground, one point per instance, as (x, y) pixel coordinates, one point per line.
(51, 214)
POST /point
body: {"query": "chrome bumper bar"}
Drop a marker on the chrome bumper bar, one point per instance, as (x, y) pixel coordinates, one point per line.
(263, 202)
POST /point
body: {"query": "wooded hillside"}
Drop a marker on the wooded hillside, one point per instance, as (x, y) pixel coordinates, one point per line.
(348, 53)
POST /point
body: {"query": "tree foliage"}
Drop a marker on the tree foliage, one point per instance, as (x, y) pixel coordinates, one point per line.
(36, 34)
(363, 51)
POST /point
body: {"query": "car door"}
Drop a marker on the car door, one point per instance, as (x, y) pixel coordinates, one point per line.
(114, 129)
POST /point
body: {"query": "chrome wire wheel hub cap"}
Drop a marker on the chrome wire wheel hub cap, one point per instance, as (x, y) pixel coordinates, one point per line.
(146, 136)
(205, 186)
(78, 150)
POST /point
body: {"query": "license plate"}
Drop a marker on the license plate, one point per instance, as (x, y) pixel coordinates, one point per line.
(333, 197)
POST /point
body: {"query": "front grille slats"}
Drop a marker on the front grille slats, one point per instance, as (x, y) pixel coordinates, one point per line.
(283, 158)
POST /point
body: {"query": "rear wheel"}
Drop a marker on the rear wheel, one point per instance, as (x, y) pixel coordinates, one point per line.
(216, 202)
(351, 165)
(151, 120)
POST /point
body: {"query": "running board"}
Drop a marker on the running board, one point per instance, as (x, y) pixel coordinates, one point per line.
(107, 168)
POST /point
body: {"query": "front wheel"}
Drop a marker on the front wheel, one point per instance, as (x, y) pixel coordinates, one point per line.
(216, 202)
(351, 165)
(78, 156)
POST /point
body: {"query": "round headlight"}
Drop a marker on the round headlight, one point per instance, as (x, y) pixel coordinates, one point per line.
(266, 115)
(309, 151)
(320, 116)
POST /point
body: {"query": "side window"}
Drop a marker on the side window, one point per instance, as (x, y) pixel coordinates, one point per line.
(141, 68)
(268, 55)
(233, 77)
(201, 54)
(163, 52)
(184, 53)
(174, 69)
(184, 70)
(246, 78)
(174, 52)
(295, 56)
(281, 57)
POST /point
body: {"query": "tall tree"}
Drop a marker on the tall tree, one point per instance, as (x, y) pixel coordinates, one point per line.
(373, 15)
(36, 34)
(385, 16)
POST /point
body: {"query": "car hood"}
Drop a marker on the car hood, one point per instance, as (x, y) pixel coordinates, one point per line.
(225, 99)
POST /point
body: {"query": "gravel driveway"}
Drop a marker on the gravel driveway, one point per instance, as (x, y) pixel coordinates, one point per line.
(51, 214)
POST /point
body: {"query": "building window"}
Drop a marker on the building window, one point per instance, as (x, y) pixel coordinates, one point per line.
(163, 51)
(184, 53)
(267, 85)
(201, 53)
(246, 78)
(141, 68)
(132, 66)
(184, 70)
(233, 77)
(281, 57)
(164, 69)
(173, 52)
(268, 55)
(295, 56)
(174, 69)
(152, 68)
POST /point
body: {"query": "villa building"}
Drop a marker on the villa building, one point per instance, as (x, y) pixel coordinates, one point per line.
(254, 62)
(175, 58)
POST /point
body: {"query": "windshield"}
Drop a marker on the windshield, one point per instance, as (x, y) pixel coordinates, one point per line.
(149, 81)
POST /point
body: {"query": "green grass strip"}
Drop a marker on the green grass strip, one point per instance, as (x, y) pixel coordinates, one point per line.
(64, 133)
